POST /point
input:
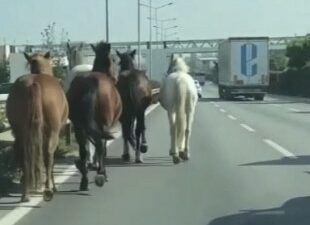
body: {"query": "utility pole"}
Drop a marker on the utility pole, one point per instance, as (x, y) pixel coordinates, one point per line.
(139, 36)
(107, 19)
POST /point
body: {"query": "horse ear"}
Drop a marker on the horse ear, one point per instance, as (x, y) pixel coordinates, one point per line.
(118, 53)
(47, 55)
(93, 47)
(27, 57)
(132, 54)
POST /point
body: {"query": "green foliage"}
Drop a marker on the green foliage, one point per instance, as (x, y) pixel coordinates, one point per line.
(49, 39)
(278, 61)
(298, 53)
(4, 72)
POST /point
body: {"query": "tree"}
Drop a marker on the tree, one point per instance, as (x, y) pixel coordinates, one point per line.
(49, 42)
(4, 72)
(298, 53)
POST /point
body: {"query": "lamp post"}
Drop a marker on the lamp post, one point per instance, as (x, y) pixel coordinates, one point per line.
(156, 13)
(107, 19)
(165, 31)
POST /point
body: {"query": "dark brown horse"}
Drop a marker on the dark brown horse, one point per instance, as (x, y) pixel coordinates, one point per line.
(136, 93)
(37, 110)
(95, 106)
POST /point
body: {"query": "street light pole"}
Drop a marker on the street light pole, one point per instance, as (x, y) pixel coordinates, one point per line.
(151, 57)
(139, 36)
(107, 19)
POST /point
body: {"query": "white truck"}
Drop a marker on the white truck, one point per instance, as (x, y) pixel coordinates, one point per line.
(243, 67)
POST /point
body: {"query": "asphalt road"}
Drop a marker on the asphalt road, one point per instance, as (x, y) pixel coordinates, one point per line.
(250, 165)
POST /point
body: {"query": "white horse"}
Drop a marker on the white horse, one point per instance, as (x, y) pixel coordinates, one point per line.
(78, 67)
(178, 95)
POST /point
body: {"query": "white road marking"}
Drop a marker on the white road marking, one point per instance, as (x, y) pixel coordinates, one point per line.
(247, 127)
(212, 102)
(294, 110)
(223, 110)
(232, 117)
(279, 148)
(22, 209)
(216, 105)
(272, 99)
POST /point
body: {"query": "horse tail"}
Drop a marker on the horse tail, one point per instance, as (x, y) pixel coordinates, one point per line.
(88, 110)
(32, 142)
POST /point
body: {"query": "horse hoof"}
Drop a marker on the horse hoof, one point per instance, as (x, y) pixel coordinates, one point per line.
(48, 195)
(99, 180)
(139, 160)
(143, 148)
(176, 159)
(126, 157)
(92, 166)
(184, 156)
(84, 187)
(25, 199)
(84, 184)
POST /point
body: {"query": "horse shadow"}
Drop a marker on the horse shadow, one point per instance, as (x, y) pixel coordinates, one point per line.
(295, 211)
(298, 160)
(148, 162)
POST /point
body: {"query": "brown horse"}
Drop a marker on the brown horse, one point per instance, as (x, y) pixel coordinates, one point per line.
(95, 106)
(37, 110)
(136, 93)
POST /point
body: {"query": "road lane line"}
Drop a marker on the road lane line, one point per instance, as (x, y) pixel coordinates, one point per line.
(216, 105)
(279, 148)
(22, 209)
(223, 110)
(294, 110)
(247, 127)
(232, 117)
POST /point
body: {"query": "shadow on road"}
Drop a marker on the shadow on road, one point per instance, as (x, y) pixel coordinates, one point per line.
(299, 160)
(293, 212)
(148, 162)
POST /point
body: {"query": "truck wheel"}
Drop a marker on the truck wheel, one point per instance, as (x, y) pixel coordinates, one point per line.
(259, 97)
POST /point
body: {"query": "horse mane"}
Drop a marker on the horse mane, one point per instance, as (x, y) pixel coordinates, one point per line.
(180, 65)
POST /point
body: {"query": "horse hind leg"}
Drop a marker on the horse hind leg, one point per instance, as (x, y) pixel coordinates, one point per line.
(143, 145)
(173, 137)
(188, 129)
(101, 148)
(81, 163)
(126, 130)
(50, 147)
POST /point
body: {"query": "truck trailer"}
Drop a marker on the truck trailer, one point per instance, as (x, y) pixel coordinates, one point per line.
(243, 67)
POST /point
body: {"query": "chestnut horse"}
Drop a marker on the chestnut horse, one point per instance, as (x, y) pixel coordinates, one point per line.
(136, 93)
(95, 107)
(37, 110)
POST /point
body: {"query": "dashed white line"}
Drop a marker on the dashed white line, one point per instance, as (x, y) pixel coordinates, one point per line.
(279, 148)
(223, 110)
(232, 117)
(216, 105)
(247, 127)
(293, 110)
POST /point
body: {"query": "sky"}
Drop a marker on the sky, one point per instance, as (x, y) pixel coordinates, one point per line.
(21, 21)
